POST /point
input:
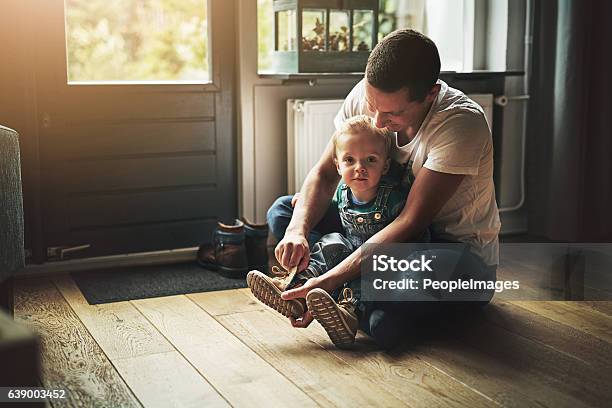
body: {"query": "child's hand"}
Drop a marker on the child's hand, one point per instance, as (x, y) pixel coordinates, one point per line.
(302, 322)
(301, 292)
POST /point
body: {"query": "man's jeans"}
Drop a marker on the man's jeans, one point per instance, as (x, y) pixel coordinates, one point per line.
(280, 214)
(386, 322)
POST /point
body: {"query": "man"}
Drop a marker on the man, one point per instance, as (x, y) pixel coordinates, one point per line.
(443, 141)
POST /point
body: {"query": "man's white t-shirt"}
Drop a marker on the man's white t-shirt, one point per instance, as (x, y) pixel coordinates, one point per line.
(454, 138)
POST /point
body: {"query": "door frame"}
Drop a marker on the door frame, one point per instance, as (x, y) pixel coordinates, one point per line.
(47, 68)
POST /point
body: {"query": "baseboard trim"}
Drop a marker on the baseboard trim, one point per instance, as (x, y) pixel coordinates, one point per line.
(112, 261)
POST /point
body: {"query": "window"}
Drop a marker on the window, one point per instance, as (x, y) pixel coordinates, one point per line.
(449, 23)
(137, 41)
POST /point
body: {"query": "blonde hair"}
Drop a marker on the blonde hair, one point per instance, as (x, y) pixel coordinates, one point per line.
(363, 123)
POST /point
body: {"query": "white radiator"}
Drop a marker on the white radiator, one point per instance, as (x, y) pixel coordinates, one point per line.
(310, 124)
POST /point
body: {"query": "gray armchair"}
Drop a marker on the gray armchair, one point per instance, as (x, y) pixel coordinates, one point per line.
(12, 256)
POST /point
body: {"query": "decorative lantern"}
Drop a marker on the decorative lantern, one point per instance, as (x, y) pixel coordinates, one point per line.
(313, 36)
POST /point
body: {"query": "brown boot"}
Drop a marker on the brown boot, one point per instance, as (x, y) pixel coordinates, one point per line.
(339, 320)
(256, 241)
(227, 253)
(268, 291)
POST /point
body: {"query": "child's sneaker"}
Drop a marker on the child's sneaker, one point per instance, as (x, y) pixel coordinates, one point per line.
(338, 319)
(268, 291)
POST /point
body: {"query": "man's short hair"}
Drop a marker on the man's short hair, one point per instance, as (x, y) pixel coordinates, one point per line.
(363, 124)
(404, 59)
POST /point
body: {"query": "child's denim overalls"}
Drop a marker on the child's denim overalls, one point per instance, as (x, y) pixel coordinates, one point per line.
(358, 225)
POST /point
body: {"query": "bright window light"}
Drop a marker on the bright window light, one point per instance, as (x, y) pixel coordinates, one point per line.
(137, 41)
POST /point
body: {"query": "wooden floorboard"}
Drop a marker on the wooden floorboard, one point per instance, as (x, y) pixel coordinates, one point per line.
(327, 379)
(148, 362)
(168, 380)
(70, 358)
(227, 301)
(407, 377)
(604, 307)
(226, 349)
(239, 374)
(512, 369)
(118, 327)
(560, 337)
(575, 315)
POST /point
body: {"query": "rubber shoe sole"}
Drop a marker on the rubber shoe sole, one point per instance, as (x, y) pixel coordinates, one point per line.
(325, 310)
(264, 289)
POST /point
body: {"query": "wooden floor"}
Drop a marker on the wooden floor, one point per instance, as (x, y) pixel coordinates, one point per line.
(226, 349)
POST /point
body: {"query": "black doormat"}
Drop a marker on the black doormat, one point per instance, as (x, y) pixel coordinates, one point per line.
(142, 282)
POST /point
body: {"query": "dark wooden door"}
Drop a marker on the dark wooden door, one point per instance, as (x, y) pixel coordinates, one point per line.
(134, 167)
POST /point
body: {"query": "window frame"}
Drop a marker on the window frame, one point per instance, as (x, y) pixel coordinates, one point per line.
(212, 85)
(474, 56)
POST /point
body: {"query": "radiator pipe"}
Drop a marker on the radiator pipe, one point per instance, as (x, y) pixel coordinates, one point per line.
(524, 97)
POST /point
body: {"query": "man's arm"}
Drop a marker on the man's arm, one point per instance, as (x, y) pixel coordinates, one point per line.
(315, 195)
(430, 191)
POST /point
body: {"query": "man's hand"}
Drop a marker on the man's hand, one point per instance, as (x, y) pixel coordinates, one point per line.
(301, 292)
(293, 250)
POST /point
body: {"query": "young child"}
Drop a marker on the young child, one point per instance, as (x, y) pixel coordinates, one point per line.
(367, 199)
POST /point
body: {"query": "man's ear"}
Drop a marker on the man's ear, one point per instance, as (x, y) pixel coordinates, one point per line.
(387, 166)
(433, 93)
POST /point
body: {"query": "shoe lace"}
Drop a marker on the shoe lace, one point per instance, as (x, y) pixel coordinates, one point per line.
(284, 276)
(279, 272)
(347, 297)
